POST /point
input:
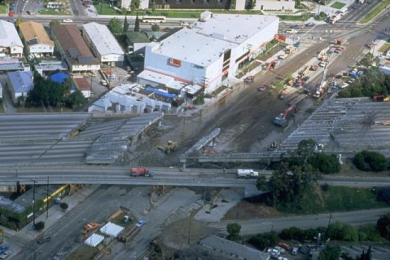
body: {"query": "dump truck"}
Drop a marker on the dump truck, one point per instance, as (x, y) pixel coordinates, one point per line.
(247, 173)
(140, 171)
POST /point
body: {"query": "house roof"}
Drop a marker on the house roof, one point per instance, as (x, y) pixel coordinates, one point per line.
(73, 44)
(34, 33)
(102, 39)
(82, 84)
(8, 35)
(21, 81)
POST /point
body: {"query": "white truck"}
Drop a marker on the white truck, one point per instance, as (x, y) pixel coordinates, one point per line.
(247, 173)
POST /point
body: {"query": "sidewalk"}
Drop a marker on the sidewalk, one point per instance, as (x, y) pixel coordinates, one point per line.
(55, 213)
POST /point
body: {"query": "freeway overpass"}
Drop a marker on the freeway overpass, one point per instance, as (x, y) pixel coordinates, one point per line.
(162, 176)
(114, 175)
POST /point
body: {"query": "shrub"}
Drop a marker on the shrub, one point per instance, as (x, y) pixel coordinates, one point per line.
(330, 253)
(325, 163)
(371, 161)
(233, 231)
(39, 226)
(264, 240)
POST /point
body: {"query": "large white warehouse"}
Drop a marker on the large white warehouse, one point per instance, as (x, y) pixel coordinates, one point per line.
(103, 43)
(209, 53)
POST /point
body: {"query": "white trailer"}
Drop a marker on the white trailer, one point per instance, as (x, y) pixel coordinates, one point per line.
(247, 173)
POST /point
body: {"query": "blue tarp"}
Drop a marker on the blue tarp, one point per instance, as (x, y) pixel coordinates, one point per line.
(59, 77)
(160, 92)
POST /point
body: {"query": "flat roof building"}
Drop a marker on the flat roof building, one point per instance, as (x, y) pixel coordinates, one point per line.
(103, 43)
(10, 42)
(73, 48)
(36, 39)
(211, 51)
(231, 249)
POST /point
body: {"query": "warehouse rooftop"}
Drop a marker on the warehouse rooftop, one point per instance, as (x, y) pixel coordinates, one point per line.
(102, 38)
(188, 45)
(233, 28)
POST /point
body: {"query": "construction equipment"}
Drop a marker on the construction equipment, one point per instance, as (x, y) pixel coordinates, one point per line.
(270, 66)
(282, 119)
(90, 228)
(140, 171)
(169, 148)
(322, 87)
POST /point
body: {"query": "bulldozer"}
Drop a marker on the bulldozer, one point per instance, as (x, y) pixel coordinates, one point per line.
(169, 147)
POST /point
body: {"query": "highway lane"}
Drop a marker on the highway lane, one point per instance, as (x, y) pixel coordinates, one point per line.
(178, 177)
(254, 226)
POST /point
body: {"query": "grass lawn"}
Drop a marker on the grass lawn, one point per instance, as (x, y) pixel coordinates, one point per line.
(375, 11)
(302, 17)
(384, 48)
(4, 8)
(46, 11)
(338, 5)
(272, 48)
(347, 199)
(105, 9)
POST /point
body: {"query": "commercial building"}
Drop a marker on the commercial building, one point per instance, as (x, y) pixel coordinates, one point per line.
(210, 53)
(73, 48)
(231, 250)
(36, 39)
(267, 5)
(19, 83)
(10, 42)
(127, 98)
(103, 43)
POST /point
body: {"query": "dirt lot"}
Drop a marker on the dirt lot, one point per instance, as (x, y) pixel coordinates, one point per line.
(244, 118)
(246, 210)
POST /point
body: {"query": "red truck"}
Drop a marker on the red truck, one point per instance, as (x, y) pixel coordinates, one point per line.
(140, 171)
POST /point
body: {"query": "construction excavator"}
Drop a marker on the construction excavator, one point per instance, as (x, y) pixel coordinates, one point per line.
(169, 147)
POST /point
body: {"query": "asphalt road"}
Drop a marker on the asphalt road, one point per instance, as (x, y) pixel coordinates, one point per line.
(162, 176)
(254, 226)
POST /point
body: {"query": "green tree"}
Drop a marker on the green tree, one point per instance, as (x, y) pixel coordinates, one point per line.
(115, 26)
(383, 226)
(371, 161)
(264, 240)
(155, 27)
(39, 226)
(327, 164)
(135, 5)
(342, 232)
(126, 25)
(293, 177)
(330, 253)
(75, 100)
(233, 231)
(137, 24)
(366, 255)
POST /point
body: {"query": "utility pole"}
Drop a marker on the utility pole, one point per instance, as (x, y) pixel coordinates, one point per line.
(48, 199)
(34, 200)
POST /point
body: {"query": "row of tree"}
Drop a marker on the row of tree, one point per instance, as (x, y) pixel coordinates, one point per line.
(372, 83)
(49, 93)
(297, 174)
